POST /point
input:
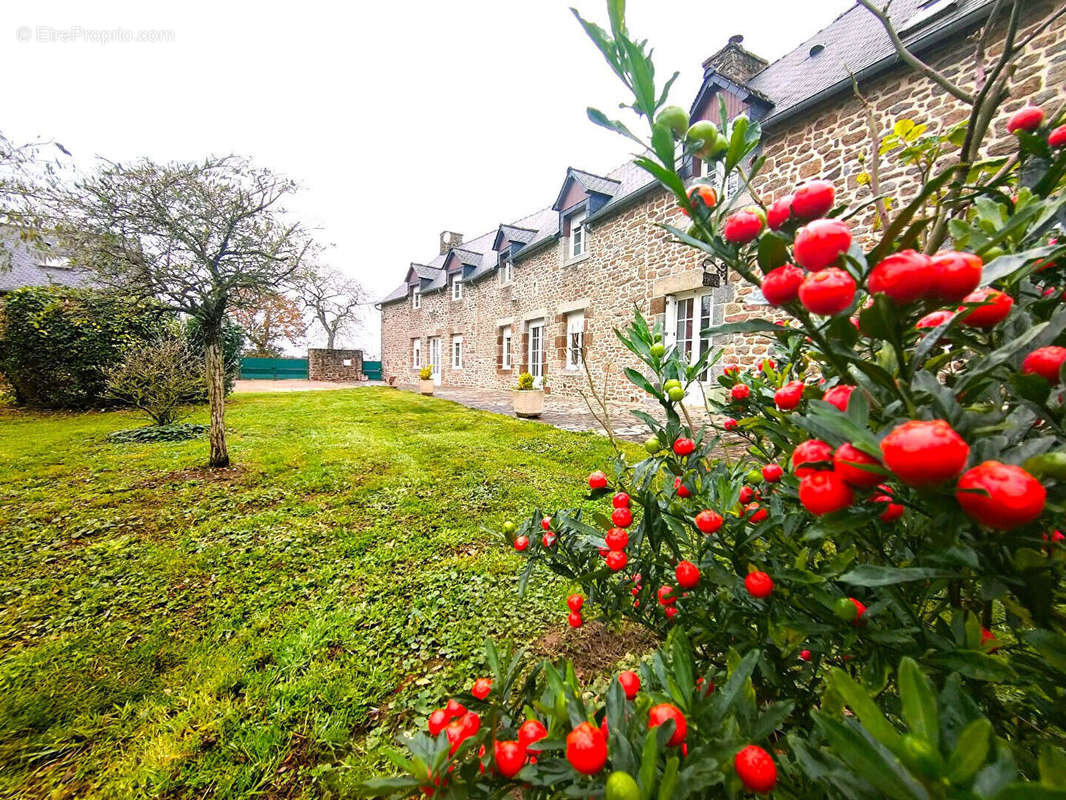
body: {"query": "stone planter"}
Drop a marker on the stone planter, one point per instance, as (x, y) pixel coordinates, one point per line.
(426, 387)
(528, 402)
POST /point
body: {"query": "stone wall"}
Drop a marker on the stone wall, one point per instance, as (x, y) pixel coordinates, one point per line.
(334, 365)
(631, 264)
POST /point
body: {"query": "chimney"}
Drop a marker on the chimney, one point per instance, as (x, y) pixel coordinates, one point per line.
(448, 240)
(734, 62)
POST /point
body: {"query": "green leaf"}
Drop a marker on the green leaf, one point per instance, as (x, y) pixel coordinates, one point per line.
(773, 251)
(919, 703)
(1052, 764)
(976, 665)
(970, 751)
(747, 326)
(872, 762)
(873, 575)
(616, 10)
(668, 782)
(865, 709)
(1030, 791)
(648, 761)
(726, 697)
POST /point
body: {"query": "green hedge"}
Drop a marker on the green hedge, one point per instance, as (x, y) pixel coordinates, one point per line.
(55, 342)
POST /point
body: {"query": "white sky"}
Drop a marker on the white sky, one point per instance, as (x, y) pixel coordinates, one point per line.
(399, 119)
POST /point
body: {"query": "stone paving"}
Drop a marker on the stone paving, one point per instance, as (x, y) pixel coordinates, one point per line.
(566, 413)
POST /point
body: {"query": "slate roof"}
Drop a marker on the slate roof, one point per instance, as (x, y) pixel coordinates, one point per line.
(34, 265)
(853, 43)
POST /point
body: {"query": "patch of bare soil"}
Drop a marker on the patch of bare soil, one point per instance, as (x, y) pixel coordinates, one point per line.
(594, 647)
(195, 475)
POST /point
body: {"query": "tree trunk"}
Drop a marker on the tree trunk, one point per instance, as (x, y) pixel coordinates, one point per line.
(330, 336)
(216, 399)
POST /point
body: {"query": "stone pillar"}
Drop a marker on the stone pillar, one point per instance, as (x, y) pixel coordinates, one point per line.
(341, 366)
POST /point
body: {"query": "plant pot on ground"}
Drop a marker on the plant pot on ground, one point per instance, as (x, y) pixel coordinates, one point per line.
(425, 381)
(528, 401)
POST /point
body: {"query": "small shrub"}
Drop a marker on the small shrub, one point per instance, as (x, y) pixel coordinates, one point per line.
(525, 381)
(177, 432)
(425, 373)
(160, 378)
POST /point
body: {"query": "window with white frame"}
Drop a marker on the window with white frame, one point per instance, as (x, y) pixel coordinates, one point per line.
(457, 288)
(416, 353)
(577, 235)
(732, 185)
(506, 268)
(457, 352)
(575, 338)
(505, 347)
(416, 297)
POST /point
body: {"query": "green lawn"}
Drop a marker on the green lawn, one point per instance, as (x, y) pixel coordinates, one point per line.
(260, 632)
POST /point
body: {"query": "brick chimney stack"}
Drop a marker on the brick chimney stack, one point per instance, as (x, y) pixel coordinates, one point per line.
(734, 62)
(448, 240)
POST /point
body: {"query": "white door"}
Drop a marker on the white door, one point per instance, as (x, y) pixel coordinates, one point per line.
(434, 358)
(686, 316)
(536, 352)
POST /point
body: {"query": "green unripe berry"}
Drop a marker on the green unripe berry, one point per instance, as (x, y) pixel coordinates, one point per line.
(845, 610)
(676, 394)
(508, 527)
(653, 445)
(658, 350)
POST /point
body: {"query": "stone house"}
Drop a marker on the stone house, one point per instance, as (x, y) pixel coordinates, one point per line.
(528, 295)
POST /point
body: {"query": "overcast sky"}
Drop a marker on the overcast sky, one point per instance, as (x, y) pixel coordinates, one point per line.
(399, 119)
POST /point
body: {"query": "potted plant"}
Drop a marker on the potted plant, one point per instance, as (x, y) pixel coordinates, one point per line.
(425, 380)
(528, 401)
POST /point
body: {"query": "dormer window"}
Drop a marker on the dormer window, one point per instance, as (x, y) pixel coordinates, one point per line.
(576, 242)
(457, 288)
(416, 298)
(505, 267)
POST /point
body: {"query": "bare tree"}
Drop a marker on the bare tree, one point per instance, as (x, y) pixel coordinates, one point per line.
(158, 377)
(333, 299)
(199, 236)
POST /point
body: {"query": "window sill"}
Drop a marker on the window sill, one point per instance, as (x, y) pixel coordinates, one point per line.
(576, 259)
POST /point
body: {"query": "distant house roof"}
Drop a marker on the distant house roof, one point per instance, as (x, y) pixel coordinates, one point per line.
(855, 43)
(596, 184)
(35, 264)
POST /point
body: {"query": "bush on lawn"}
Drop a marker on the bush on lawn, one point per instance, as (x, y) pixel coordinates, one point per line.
(160, 378)
(56, 342)
(870, 602)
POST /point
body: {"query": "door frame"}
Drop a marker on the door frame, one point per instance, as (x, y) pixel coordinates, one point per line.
(434, 358)
(696, 391)
(536, 366)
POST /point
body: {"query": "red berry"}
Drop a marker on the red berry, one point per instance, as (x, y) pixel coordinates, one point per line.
(740, 392)
(1008, 496)
(743, 226)
(546, 523)
(481, 688)
(838, 396)
(630, 683)
(461, 729)
(597, 480)
(820, 243)
(789, 395)
(730, 369)
(903, 277)
(617, 539)
(667, 596)
(521, 543)
(935, 319)
(824, 493)
(616, 560)
(924, 453)
(730, 424)
(892, 512)
(510, 758)
(681, 489)
(993, 309)
(955, 275)
(586, 749)
(782, 285)
(759, 584)
(811, 456)
(860, 609)
(437, 720)
(747, 494)
(701, 193)
(756, 769)
(805, 655)
(1045, 362)
(658, 714)
(827, 292)
(548, 540)
(813, 199)
(574, 619)
(454, 709)
(530, 731)
(574, 603)
(622, 517)
(708, 690)
(1027, 118)
(849, 462)
(708, 521)
(772, 473)
(620, 500)
(683, 446)
(779, 212)
(1057, 138)
(688, 575)
(758, 514)
(670, 612)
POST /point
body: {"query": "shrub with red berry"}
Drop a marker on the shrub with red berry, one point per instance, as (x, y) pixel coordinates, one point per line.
(866, 598)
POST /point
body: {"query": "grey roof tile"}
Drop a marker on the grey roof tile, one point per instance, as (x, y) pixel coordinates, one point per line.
(30, 265)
